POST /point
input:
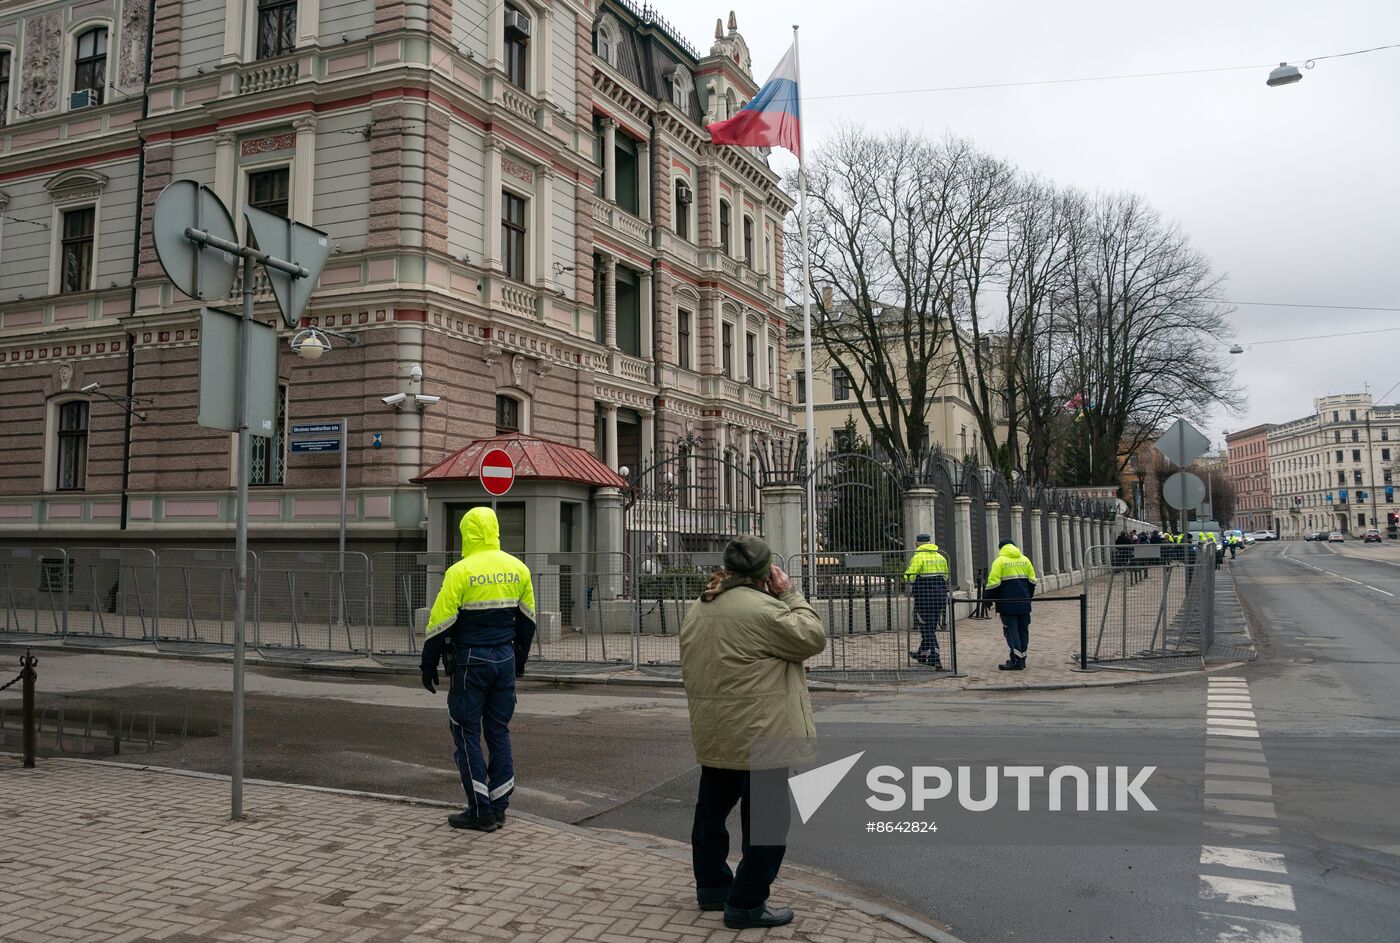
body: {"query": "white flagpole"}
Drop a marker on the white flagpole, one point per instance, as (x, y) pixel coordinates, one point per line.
(806, 332)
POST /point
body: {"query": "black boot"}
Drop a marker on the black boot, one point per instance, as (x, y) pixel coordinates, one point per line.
(736, 918)
(500, 817)
(711, 898)
(1011, 664)
(465, 819)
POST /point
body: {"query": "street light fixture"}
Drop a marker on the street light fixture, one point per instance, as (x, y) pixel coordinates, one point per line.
(1285, 74)
(310, 343)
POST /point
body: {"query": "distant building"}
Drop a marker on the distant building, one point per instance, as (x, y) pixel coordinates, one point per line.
(1333, 469)
(1249, 472)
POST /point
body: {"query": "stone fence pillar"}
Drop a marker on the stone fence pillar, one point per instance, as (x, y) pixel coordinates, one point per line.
(920, 503)
(962, 526)
(782, 521)
(993, 535)
(1036, 551)
(608, 505)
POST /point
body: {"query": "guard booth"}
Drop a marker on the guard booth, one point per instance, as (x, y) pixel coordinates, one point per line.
(562, 516)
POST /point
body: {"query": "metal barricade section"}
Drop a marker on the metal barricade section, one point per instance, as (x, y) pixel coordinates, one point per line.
(34, 586)
(195, 598)
(1150, 606)
(402, 589)
(312, 601)
(113, 592)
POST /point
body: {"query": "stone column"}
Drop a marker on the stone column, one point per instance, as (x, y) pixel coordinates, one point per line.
(610, 160)
(1018, 525)
(1067, 543)
(610, 417)
(544, 227)
(920, 503)
(1036, 551)
(644, 180)
(993, 536)
(1052, 552)
(646, 316)
(719, 334)
(304, 169)
(962, 529)
(722, 439)
(226, 168)
(782, 523)
(608, 538)
(610, 301)
(492, 255)
(648, 437)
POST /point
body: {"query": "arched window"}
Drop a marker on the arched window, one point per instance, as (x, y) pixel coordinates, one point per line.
(512, 414)
(605, 40)
(90, 63)
(681, 87)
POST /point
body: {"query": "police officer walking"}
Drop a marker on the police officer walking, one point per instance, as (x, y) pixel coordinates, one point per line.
(1011, 583)
(481, 627)
(928, 571)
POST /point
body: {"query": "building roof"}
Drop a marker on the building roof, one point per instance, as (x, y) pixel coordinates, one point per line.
(536, 459)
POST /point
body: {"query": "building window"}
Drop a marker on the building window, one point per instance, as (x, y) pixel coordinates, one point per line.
(90, 63)
(516, 48)
(801, 396)
(724, 225)
(773, 369)
(840, 384)
(1336, 416)
(727, 342)
(605, 41)
(1339, 455)
(748, 241)
(267, 458)
(600, 287)
(681, 86)
(4, 85)
(627, 188)
(1353, 415)
(683, 199)
(627, 309)
(1385, 455)
(1356, 476)
(1356, 455)
(683, 338)
(277, 27)
(600, 432)
(1336, 435)
(1385, 435)
(269, 190)
(750, 356)
(76, 249)
(1355, 435)
(513, 235)
(507, 414)
(72, 446)
(600, 143)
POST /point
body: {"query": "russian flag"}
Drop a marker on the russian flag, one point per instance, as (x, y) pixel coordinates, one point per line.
(772, 118)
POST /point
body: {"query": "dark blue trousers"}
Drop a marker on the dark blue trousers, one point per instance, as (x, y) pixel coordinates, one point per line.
(481, 703)
(1017, 630)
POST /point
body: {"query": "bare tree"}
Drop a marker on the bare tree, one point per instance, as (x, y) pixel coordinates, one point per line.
(881, 242)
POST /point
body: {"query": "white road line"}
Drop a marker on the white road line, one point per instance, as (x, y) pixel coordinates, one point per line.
(1250, 808)
(1228, 712)
(1227, 699)
(1227, 928)
(1347, 578)
(1248, 859)
(1230, 732)
(1237, 769)
(1229, 787)
(1244, 891)
(1212, 720)
(1239, 829)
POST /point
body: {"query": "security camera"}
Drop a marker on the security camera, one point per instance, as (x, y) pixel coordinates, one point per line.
(90, 388)
(424, 399)
(394, 399)
(415, 372)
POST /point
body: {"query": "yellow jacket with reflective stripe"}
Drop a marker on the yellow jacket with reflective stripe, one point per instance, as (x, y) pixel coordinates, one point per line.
(486, 595)
(927, 561)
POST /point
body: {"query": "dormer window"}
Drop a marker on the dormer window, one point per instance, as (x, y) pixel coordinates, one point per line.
(681, 87)
(605, 40)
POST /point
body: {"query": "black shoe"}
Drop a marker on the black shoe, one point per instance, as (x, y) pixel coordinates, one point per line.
(465, 819)
(736, 918)
(711, 898)
(935, 664)
(1011, 664)
(500, 816)
(920, 657)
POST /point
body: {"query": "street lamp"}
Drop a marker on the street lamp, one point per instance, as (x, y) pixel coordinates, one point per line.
(1285, 74)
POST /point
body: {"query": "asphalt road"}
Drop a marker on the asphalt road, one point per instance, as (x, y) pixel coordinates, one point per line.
(620, 758)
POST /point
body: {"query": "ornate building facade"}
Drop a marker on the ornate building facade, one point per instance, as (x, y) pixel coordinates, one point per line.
(527, 222)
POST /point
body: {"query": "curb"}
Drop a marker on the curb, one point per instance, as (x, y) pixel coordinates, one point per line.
(254, 660)
(662, 846)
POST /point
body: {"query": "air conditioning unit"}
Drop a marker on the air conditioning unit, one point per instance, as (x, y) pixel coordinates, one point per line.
(684, 195)
(82, 98)
(517, 23)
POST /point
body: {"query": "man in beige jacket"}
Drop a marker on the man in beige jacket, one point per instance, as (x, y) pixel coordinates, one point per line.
(742, 649)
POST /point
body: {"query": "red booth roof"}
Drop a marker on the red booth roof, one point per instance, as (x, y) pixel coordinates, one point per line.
(534, 458)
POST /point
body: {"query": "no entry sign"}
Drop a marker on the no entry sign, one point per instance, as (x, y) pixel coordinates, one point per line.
(497, 472)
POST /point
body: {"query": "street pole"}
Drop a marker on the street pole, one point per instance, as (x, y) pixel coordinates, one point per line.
(809, 367)
(240, 539)
(344, 447)
(1181, 472)
(1371, 467)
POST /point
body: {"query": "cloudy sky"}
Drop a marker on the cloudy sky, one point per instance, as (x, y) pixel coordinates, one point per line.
(1294, 193)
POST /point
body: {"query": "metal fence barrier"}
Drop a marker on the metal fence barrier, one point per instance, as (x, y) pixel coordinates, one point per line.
(195, 599)
(34, 582)
(312, 601)
(1149, 605)
(112, 593)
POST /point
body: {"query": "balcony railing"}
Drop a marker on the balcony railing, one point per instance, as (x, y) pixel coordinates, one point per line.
(632, 368)
(517, 103)
(262, 77)
(520, 300)
(620, 221)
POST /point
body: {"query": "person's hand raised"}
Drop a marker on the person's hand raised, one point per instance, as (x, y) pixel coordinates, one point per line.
(778, 582)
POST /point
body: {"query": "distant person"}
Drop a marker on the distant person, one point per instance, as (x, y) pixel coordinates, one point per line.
(742, 648)
(1011, 583)
(928, 572)
(481, 627)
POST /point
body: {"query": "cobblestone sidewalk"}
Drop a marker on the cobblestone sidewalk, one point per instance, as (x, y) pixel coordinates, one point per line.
(99, 852)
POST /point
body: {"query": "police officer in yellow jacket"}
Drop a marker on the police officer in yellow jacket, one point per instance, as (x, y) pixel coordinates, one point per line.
(1011, 583)
(928, 571)
(481, 627)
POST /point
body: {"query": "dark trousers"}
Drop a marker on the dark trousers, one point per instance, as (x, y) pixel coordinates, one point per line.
(1017, 630)
(929, 607)
(747, 887)
(481, 703)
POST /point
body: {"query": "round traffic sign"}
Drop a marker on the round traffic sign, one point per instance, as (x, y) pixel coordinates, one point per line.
(497, 472)
(201, 272)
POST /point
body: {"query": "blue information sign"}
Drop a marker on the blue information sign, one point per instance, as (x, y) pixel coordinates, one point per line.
(315, 445)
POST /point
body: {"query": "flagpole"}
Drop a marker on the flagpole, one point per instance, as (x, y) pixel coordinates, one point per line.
(806, 333)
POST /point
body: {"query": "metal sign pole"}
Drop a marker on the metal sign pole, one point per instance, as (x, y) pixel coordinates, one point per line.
(344, 447)
(1181, 449)
(240, 540)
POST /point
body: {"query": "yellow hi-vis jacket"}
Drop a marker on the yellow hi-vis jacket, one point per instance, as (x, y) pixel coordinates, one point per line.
(486, 597)
(927, 561)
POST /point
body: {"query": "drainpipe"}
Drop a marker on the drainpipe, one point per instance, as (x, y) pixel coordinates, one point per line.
(665, 191)
(136, 258)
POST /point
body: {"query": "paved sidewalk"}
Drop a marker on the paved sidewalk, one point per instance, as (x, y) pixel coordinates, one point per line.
(100, 852)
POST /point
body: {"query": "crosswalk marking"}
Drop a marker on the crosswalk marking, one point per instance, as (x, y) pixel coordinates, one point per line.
(1236, 769)
(1228, 928)
(1229, 712)
(1253, 808)
(1246, 891)
(1218, 731)
(1229, 787)
(1248, 859)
